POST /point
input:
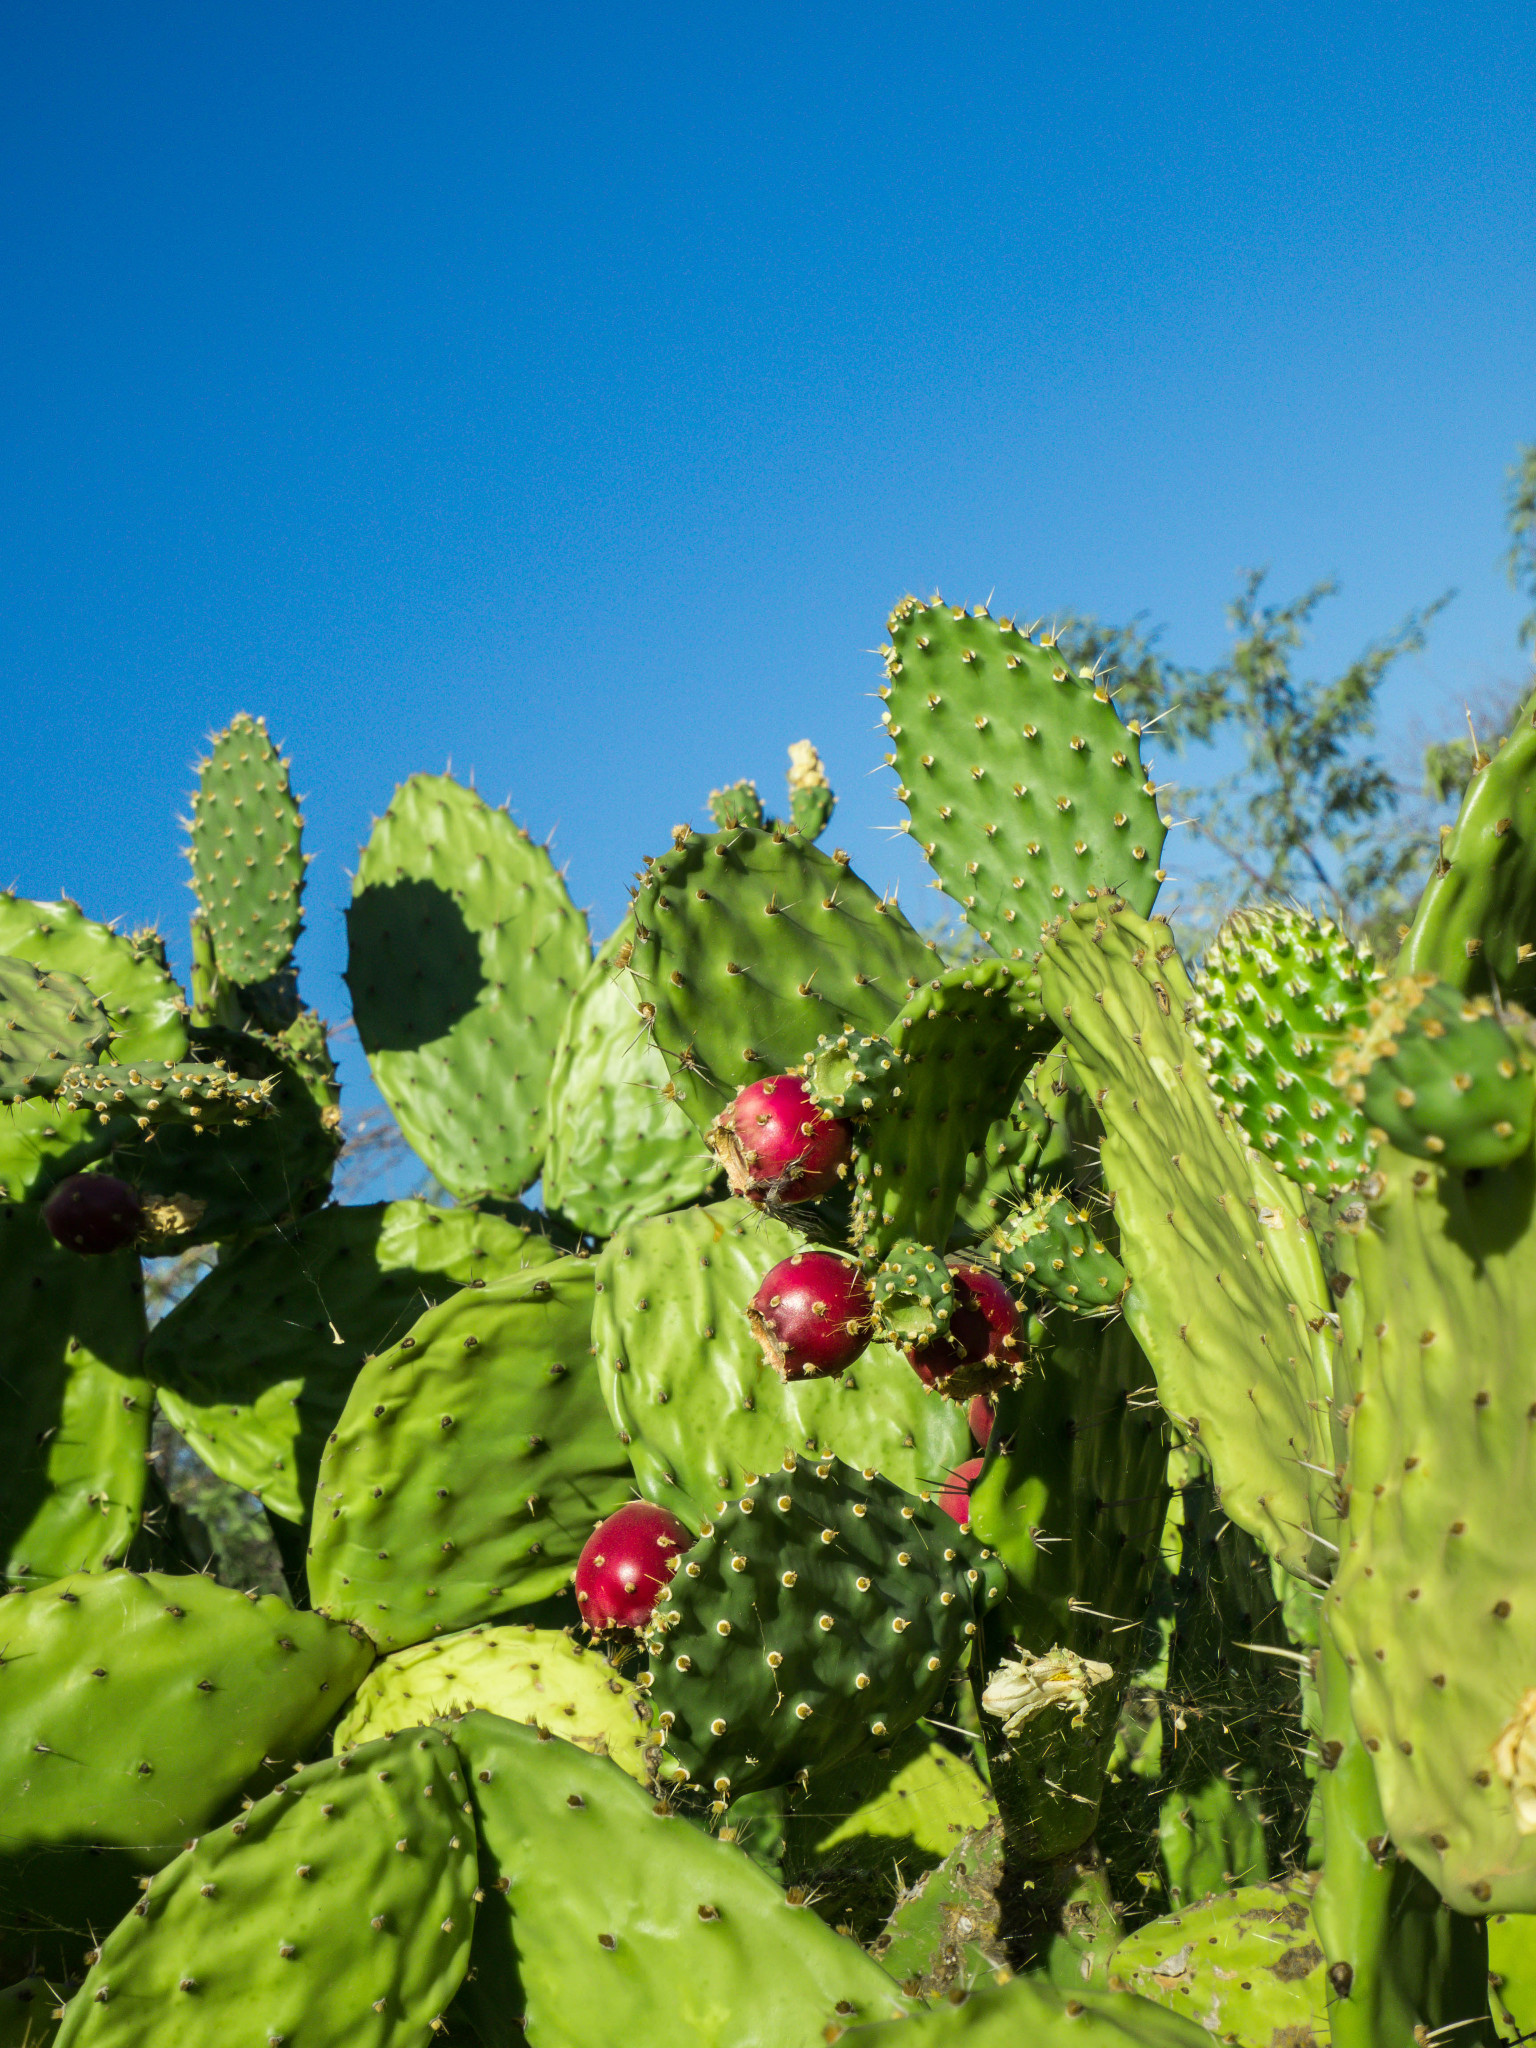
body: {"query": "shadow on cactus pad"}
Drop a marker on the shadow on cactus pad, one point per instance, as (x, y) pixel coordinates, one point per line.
(417, 931)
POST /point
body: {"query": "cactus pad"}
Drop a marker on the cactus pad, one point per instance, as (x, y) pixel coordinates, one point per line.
(1030, 2009)
(158, 1092)
(688, 1388)
(1277, 997)
(819, 1614)
(337, 1912)
(748, 947)
(677, 1937)
(1246, 1964)
(618, 1148)
(48, 1023)
(255, 1365)
(1024, 789)
(1053, 1246)
(470, 1463)
(464, 949)
(539, 1676)
(247, 862)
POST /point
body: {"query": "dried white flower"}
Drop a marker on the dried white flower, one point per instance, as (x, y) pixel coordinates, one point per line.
(1026, 1686)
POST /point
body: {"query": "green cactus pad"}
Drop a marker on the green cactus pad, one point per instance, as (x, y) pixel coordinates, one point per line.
(618, 1148)
(688, 1388)
(629, 1923)
(1475, 926)
(1053, 1246)
(913, 1292)
(1226, 1283)
(856, 1074)
(464, 949)
(1031, 2010)
(736, 805)
(254, 1367)
(820, 1613)
(1432, 1605)
(338, 1912)
(1278, 995)
(944, 1932)
(27, 2012)
(1019, 1151)
(748, 947)
(39, 1141)
(49, 1021)
(79, 1407)
(170, 1092)
(134, 1709)
(539, 1676)
(1442, 1076)
(811, 802)
(965, 1040)
(1245, 1965)
(247, 861)
(470, 1464)
(1024, 789)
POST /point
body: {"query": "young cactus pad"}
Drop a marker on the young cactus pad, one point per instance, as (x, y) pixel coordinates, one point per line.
(1024, 788)
(689, 1391)
(463, 950)
(820, 1613)
(748, 946)
(337, 1912)
(247, 861)
(470, 1463)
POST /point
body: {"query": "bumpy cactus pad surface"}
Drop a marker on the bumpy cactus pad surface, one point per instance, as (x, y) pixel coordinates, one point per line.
(464, 948)
(133, 1709)
(625, 1922)
(539, 1676)
(79, 1406)
(821, 1612)
(1245, 1965)
(49, 1023)
(337, 1912)
(748, 947)
(689, 1390)
(247, 860)
(470, 1464)
(1024, 788)
(1029, 2010)
(618, 1148)
(255, 1365)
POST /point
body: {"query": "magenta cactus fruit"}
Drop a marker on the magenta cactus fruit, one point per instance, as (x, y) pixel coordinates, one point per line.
(981, 1417)
(778, 1145)
(955, 1495)
(626, 1564)
(811, 1315)
(93, 1214)
(984, 1329)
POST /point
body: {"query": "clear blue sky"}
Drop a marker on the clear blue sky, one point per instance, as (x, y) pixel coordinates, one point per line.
(570, 391)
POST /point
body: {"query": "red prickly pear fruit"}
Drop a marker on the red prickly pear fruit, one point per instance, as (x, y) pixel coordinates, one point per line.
(811, 1315)
(778, 1145)
(626, 1564)
(981, 1418)
(984, 1328)
(955, 1498)
(92, 1213)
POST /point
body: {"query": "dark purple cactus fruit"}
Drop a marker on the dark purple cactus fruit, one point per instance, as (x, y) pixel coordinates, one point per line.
(983, 1330)
(626, 1563)
(811, 1315)
(93, 1214)
(981, 1417)
(777, 1145)
(955, 1496)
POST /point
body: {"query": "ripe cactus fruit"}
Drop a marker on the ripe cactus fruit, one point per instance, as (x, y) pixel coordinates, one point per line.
(463, 951)
(627, 1563)
(247, 860)
(984, 1328)
(469, 1464)
(812, 1315)
(538, 1676)
(1278, 995)
(1442, 1076)
(1023, 788)
(747, 946)
(678, 1937)
(778, 1145)
(255, 1365)
(820, 1613)
(982, 1418)
(618, 1148)
(955, 1494)
(94, 1214)
(690, 1393)
(134, 1709)
(339, 1909)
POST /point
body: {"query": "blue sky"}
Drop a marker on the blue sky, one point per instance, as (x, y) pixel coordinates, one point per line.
(568, 392)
